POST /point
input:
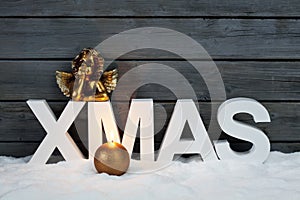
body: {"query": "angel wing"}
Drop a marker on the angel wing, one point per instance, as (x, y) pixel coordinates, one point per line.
(110, 79)
(65, 82)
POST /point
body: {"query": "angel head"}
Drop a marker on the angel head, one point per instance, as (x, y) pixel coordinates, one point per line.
(88, 62)
(87, 81)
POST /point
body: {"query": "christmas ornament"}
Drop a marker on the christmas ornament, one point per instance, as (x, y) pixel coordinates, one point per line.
(111, 158)
(83, 83)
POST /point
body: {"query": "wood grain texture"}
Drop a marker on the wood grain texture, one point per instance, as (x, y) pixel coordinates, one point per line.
(257, 41)
(264, 81)
(194, 8)
(22, 149)
(18, 123)
(222, 38)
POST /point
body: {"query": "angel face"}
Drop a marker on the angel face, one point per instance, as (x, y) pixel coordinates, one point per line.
(88, 62)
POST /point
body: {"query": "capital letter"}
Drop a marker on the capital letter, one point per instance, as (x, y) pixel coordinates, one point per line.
(57, 135)
(141, 112)
(185, 111)
(261, 145)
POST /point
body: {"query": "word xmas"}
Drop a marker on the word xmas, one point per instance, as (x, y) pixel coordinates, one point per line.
(101, 116)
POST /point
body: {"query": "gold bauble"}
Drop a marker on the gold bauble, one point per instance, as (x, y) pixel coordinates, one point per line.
(111, 158)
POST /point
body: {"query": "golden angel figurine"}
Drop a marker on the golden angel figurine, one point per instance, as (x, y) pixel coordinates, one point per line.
(84, 82)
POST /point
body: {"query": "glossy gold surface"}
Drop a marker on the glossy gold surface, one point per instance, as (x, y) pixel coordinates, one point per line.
(84, 82)
(111, 158)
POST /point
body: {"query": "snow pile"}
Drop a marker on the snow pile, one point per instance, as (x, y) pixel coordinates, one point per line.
(278, 178)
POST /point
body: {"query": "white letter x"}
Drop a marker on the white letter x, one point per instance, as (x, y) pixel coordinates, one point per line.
(57, 135)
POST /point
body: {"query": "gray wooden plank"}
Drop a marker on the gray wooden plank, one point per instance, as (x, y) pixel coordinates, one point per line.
(19, 149)
(222, 38)
(22, 149)
(287, 8)
(17, 122)
(268, 81)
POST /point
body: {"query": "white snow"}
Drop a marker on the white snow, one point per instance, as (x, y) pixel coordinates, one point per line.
(278, 178)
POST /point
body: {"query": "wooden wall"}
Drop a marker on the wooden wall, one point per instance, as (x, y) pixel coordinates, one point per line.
(255, 45)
